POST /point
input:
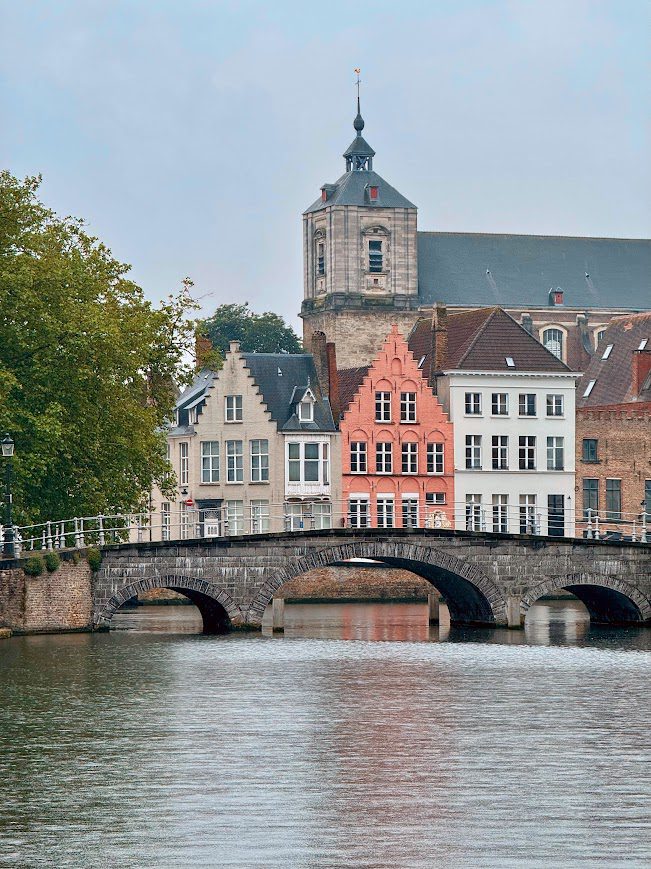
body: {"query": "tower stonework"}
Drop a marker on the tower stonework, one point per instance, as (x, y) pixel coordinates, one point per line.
(360, 259)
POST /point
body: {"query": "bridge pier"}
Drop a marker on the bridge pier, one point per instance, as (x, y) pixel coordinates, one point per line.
(433, 607)
(513, 617)
(278, 615)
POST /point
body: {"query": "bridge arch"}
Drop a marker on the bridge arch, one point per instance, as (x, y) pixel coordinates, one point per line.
(608, 599)
(218, 610)
(472, 596)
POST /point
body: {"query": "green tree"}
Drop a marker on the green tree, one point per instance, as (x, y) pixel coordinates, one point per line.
(87, 365)
(257, 333)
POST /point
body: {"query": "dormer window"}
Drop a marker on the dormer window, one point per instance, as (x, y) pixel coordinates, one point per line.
(373, 192)
(375, 255)
(306, 410)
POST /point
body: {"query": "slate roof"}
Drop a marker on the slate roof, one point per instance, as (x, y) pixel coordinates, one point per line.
(279, 391)
(350, 189)
(350, 379)
(463, 268)
(481, 340)
(613, 376)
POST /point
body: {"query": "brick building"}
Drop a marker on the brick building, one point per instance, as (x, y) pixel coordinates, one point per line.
(613, 428)
(397, 444)
(367, 266)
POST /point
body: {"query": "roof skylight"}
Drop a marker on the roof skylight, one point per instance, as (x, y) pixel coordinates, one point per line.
(607, 351)
(643, 344)
(509, 361)
(589, 388)
(420, 364)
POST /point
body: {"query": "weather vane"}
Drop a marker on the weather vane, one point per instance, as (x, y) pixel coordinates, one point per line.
(357, 72)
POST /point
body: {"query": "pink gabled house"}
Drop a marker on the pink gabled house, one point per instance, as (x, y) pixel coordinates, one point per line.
(397, 442)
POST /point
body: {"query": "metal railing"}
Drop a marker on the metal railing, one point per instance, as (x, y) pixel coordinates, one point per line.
(187, 524)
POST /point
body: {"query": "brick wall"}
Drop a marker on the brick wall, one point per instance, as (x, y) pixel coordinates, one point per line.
(623, 453)
(59, 601)
(356, 583)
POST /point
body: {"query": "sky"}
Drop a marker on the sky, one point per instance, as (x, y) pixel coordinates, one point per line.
(191, 134)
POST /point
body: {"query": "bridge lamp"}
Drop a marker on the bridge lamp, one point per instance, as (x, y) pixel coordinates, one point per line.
(7, 445)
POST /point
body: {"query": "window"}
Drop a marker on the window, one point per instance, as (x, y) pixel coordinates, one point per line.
(259, 517)
(647, 498)
(613, 499)
(382, 407)
(473, 403)
(510, 361)
(555, 454)
(553, 341)
(500, 514)
(165, 520)
(407, 407)
(555, 405)
(527, 404)
(643, 343)
(500, 452)
(185, 521)
(527, 453)
(209, 461)
(528, 518)
(358, 511)
(306, 410)
(589, 388)
(184, 464)
(234, 462)
(590, 450)
(607, 351)
(409, 511)
(322, 512)
(435, 458)
(473, 513)
(555, 515)
(233, 405)
(599, 334)
(358, 457)
(320, 258)
(385, 511)
(383, 458)
(305, 460)
(590, 496)
(473, 452)
(374, 255)
(260, 461)
(235, 517)
(410, 458)
(433, 499)
(499, 404)
(294, 516)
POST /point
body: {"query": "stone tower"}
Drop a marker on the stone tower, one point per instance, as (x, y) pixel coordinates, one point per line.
(360, 267)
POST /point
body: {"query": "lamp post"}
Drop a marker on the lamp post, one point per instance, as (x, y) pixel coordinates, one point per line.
(7, 453)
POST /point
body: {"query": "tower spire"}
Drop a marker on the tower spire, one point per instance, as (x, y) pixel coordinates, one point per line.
(358, 123)
(359, 154)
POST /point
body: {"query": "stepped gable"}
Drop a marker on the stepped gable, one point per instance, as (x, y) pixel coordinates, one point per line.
(622, 374)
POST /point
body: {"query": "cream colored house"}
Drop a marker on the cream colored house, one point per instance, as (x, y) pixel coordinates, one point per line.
(255, 449)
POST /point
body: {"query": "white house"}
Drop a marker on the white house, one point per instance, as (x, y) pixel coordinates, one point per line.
(512, 404)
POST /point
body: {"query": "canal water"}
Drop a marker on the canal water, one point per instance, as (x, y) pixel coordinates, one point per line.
(360, 738)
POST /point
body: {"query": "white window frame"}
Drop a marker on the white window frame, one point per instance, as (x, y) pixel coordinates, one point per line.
(234, 468)
(306, 410)
(234, 515)
(384, 457)
(436, 458)
(301, 459)
(210, 461)
(524, 402)
(259, 516)
(359, 457)
(382, 406)
(409, 458)
(500, 404)
(553, 344)
(500, 514)
(386, 511)
(359, 513)
(165, 520)
(407, 407)
(184, 463)
(473, 512)
(473, 453)
(500, 452)
(472, 403)
(259, 457)
(410, 512)
(233, 408)
(527, 452)
(555, 453)
(555, 404)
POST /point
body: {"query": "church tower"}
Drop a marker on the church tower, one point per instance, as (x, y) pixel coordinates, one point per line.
(360, 267)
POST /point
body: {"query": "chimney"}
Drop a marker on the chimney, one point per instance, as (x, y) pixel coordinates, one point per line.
(318, 350)
(202, 350)
(641, 369)
(555, 297)
(333, 382)
(527, 323)
(439, 337)
(584, 333)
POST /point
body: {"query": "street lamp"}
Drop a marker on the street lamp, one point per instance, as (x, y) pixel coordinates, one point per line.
(7, 445)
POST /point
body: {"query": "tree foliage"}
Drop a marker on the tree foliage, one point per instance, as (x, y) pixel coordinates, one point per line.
(257, 333)
(87, 365)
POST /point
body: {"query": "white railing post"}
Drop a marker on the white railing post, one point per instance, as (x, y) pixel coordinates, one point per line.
(49, 535)
(597, 533)
(589, 533)
(643, 535)
(101, 538)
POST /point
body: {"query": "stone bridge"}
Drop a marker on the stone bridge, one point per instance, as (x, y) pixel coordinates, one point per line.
(485, 579)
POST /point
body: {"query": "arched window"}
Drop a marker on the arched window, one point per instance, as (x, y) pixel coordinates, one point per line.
(319, 253)
(553, 341)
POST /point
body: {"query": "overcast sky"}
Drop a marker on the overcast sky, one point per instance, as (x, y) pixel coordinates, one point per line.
(191, 134)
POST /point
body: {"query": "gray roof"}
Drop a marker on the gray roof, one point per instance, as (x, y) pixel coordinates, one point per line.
(350, 189)
(281, 392)
(463, 268)
(360, 146)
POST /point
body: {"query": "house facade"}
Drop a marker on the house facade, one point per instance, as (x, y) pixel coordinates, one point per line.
(512, 405)
(397, 444)
(613, 432)
(254, 448)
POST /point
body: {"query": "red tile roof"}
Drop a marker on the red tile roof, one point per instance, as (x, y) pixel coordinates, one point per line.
(350, 379)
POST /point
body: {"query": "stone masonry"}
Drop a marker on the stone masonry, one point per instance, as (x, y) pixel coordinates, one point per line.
(484, 578)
